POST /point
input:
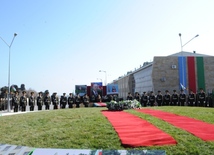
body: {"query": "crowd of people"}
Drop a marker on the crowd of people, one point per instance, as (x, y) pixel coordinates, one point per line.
(20, 102)
(175, 99)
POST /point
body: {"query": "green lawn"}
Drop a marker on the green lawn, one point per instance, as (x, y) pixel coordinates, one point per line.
(87, 128)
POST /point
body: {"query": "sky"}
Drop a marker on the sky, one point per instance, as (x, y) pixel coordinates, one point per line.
(60, 44)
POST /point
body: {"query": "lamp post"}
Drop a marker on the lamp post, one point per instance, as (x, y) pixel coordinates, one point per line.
(105, 76)
(100, 79)
(8, 94)
(186, 42)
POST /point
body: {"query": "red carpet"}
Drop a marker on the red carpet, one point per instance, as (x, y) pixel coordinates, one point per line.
(134, 131)
(200, 129)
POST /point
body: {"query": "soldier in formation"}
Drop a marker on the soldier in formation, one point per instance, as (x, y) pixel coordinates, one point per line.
(47, 101)
(31, 101)
(63, 101)
(23, 101)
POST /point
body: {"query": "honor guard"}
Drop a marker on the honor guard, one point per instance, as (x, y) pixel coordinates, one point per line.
(129, 97)
(144, 99)
(70, 100)
(63, 101)
(77, 101)
(201, 98)
(182, 98)
(39, 101)
(174, 98)
(55, 101)
(47, 101)
(23, 101)
(86, 100)
(137, 96)
(166, 98)
(159, 98)
(152, 99)
(16, 101)
(32, 101)
(191, 98)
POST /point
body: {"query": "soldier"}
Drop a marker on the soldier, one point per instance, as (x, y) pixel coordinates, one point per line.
(191, 98)
(182, 98)
(86, 100)
(23, 101)
(152, 99)
(159, 98)
(137, 96)
(32, 101)
(63, 101)
(201, 98)
(55, 101)
(144, 99)
(16, 101)
(166, 98)
(77, 101)
(47, 101)
(39, 101)
(129, 97)
(174, 98)
(70, 100)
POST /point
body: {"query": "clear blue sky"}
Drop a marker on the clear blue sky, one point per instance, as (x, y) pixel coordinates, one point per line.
(65, 43)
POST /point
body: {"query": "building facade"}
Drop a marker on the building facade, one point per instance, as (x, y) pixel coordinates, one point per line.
(183, 70)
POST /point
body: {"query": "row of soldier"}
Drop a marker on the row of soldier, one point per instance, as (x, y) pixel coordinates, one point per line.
(46, 100)
(174, 99)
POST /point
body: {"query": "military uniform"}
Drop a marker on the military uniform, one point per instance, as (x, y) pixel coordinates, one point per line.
(144, 100)
(191, 99)
(15, 102)
(129, 97)
(174, 98)
(137, 97)
(55, 101)
(86, 101)
(166, 98)
(47, 101)
(151, 99)
(63, 101)
(39, 101)
(23, 101)
(32, 101)
(70, 100)
(182, 98)
(77, 101)
(201, 98)
(159, 98)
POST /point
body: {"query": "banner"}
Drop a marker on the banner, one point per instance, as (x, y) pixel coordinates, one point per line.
(96, 89)
(112, 89)
(81, 89)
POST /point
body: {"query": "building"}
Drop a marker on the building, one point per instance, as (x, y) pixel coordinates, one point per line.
(183, 70)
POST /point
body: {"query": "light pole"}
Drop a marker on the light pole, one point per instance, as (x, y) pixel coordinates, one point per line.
(105, 76)
(8, 94)
(187, 42)
(100, 79)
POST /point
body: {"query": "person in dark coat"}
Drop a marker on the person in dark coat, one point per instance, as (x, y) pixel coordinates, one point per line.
(174, 98)
(159, 98)
(16, 101)
(63, 101)
(23, 101)
(47, 101)
(31, 101)
(39, 101)
(71, 100)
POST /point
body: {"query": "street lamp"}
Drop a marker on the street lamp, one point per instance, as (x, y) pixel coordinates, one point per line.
(105, 76)
(8, 94)
(187, 42)
(100, 79)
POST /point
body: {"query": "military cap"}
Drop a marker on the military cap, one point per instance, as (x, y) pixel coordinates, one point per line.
(166, 91)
